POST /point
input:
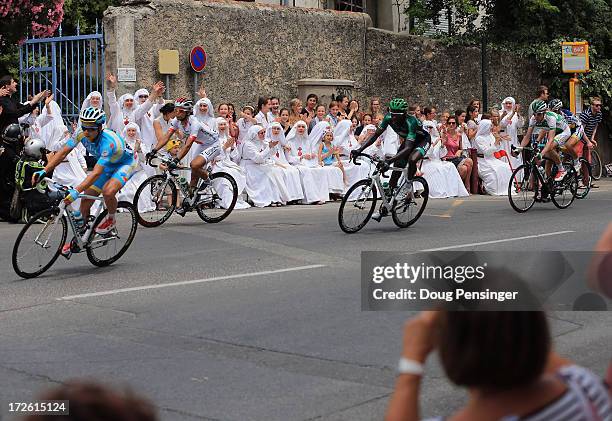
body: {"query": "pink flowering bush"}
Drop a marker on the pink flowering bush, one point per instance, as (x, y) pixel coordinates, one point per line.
(22, 18)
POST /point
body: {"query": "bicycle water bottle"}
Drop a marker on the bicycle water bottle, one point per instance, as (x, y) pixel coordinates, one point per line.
(78, 219)
(386, 189)
(183, 183)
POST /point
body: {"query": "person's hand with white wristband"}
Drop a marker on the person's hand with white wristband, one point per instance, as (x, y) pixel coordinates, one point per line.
(419, 341)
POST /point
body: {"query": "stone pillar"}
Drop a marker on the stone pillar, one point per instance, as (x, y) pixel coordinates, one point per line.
(119, 39)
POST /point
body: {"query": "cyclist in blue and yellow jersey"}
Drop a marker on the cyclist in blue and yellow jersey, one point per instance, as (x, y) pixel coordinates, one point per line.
(113, 169)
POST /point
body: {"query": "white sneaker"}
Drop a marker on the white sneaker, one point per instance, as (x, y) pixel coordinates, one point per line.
(578, 166)
(377, 216)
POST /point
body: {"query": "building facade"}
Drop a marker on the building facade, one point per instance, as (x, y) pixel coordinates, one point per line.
(385, 14)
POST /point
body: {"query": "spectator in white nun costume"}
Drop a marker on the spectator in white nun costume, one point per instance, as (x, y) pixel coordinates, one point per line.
(313, 177)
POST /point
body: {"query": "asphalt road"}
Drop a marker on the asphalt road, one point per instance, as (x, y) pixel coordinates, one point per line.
(258, 317)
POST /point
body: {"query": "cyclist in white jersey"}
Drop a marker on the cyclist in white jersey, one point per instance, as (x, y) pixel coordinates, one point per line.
(553, 126)
(199, 136)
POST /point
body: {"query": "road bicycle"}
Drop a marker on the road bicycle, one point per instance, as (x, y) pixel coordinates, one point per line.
(406, 203)
(40, 242)
(529, 183)
(157, 197)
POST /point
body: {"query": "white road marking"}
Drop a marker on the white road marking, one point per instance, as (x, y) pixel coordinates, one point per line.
(505, 240)
(195, 281)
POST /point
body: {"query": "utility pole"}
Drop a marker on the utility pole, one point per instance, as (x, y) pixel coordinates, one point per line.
(484, 71)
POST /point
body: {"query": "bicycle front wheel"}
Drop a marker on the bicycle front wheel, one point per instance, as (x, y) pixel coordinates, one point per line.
(217, 200)
(357, 206)
(584, 179)
(410, 203)
(564, 191)
(155, 200)
(39, 243)
(522, 188)
(104, 249)
(596, 165)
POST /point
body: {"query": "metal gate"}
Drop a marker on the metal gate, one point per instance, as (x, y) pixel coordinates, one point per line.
(69, 66)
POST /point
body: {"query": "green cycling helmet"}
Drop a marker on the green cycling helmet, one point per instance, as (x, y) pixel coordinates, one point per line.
(398, 105)
(539, 107)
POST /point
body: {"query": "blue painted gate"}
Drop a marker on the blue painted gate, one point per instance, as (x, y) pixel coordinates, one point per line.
(69, 66)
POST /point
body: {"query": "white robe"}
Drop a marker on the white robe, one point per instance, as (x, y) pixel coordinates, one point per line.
(442, 176)
(128, 192)
(344, 139)
(54, 134)
(263, 183)
(291, 175)
(511, 126)
(495, 173)
(226, 162)
(313, 179)
(119, 116)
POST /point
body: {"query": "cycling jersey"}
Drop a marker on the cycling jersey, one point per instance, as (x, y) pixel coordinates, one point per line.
(551, 121)
(204, 137)
(578, 129)
(112, 153)
(109, 148)
(406, 129)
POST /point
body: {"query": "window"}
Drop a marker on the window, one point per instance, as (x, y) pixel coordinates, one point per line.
(351, 5)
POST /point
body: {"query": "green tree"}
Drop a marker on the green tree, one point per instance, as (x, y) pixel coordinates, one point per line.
(533, 28)
(20, 19)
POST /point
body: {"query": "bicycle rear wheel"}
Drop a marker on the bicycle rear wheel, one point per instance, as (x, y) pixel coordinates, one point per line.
(39, 243)
(410, 205)
(584, 179)
(596, 165)
(104, 249)
(357, 206)
(522, 188)
(564, 191)
(155, 200)
(217, 200)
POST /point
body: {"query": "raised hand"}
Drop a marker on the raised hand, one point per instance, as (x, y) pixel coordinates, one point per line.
(48, 99)
(202, 92)
(4, 91)
(158, 89)
(112, 80)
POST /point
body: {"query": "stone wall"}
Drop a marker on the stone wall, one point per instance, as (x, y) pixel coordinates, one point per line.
(426, 72)
(261, 49)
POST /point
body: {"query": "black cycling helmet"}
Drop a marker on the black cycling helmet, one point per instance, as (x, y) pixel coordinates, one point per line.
(12, 134)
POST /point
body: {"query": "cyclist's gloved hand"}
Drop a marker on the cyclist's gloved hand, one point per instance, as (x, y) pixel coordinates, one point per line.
(151, 155)
(37, 176)
(384, 165)
(514, 152)
(71, 196)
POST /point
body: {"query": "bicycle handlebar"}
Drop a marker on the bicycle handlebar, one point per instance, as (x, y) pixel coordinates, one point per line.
(370, 157)
(168, 162)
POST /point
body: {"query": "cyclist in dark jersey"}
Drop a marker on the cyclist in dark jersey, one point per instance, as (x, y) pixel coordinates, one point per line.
(415, 141)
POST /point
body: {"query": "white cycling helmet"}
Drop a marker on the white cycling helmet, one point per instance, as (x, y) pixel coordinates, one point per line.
(34, 149)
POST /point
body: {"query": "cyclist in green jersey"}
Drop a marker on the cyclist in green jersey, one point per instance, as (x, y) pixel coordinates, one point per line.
(415, 141)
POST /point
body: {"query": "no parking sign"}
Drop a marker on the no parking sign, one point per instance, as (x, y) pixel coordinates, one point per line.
(198, 58)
